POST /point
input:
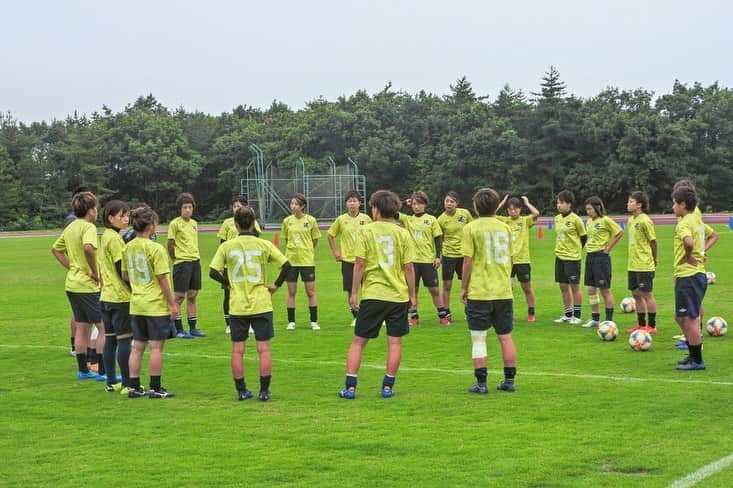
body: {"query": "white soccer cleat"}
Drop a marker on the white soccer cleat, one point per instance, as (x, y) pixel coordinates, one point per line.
(590, 323)
(290, 326)
(575, 320)
(562, 320)
(315, 326)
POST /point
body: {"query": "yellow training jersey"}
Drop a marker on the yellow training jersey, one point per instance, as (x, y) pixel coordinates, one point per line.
(228, 229)
(347, 228)
(688, 226)
(143, 260)
(185, 233)
(452, 227)
(568, 229)
(520, 236)
(299, 234)
(71, 242)
(641, 233)
(386, 248)
(601, 231)
(114, 290)
(423, 229)
(246, 258)
(488, 242)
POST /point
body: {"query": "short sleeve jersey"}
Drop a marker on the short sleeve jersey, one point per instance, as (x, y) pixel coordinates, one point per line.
(385, 248)
(452, 227)
(568, 229)
(246, 257)
(641, 233)
(688, 226)
(143, 260)
(601, 231)
(228, 229)
(423, 229)
(299, 234)
(186, 236)
(114, 290)
(488, 242)
(346, 228)
(72, 241)
(520, 236)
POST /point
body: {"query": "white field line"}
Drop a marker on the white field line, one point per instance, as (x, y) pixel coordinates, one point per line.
(702, 473)
(464, 372)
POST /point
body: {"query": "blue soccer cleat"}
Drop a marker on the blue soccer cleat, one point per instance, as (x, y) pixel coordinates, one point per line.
(347, 393)
(184, 335)
(86, 376)
(197, 333)
(387, 392)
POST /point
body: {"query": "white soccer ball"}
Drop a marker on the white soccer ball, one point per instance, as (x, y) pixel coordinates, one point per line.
(628, 305)
(711, 277)
(607, 330)
(717, 326)
(640, 340)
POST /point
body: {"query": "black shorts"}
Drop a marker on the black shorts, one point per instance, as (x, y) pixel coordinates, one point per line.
(567, 271)
(688, 295)
(187, 276)
(598, 270)
(85, 307)
(484, 314)
(451, 266)
(427, 272)
(641, 280)
(146, 328)
(347, 275)
(523, 272)
(307, 274)
(261, 323)
(116, 318)
(373, 312)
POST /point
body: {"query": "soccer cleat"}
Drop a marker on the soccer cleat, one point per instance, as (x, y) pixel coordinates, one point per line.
(160, 393)
(480, 389)
(290, 326)
(387, 392)
(353, 323)
(414, 321)
(80, 375)
(348, 393)
(72, 352)
(244, 395)
(444, 321)
(650, 329)
(183, 334)
(506, 386)
(101, 377)
(125, 391)
(450, 318)
(682, 346)
(563, 320)
(197, 333)
(137, 392)
(590, 323)
(679, 337)
(531, 318)
(575, 320)
(633, 329)
(228, 330)
(684, 360)
(315, 326)
(264, 395)
(691, 366)
(114, 387)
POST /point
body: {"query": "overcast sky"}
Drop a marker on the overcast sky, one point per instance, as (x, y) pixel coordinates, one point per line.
(210, 55)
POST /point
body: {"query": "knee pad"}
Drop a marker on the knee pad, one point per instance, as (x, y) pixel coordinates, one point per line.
(478, 339)
(594, 299)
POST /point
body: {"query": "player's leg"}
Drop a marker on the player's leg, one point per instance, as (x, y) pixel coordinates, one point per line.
(156, 370)
(181, 279)
(194, 286)
(264, 331)
(292, 281)
(397, 327)
(309, 283)
(412, 313)
(438, 302)
(72, 331)
(353, 362)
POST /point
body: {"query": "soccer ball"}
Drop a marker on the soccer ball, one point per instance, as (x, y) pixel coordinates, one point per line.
(711, 277)
(628, 305)
(717, 326)
(607, 330)
(640, 340)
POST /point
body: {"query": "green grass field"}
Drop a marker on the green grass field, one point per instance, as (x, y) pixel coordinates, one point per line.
(585, 413)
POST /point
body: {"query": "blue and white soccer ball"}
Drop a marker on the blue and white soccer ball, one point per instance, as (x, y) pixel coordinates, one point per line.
(628, 305)
(711, 277)
(607, 330)
(717, 326)
(640, 340)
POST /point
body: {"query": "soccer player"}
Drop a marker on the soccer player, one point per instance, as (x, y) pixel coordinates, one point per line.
(603, 234)
(246, 257)
(486, 288)
(427, 238)
(115, 296)
(521, 264)
(76, 250)
(569, 242)
(228, 231)
(152, 305)
(183, 248)
(346, 227)
(452, 221)
(384, 253)
(69, 219)
(642, 262)
(300, 234)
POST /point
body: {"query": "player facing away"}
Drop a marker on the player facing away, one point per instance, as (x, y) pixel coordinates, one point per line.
(227, 232)
(427, 237)
(689, 274)
(521, 263)
(486, 289)
(384, 253)
(569, 242)
(603, 234)
(300, 234)
(642, 261)
(152, 305)
(76, 250)
(346, 227)
(452, 221)
(183, 248)
(67, 220)
(247, 257)
(115, 296)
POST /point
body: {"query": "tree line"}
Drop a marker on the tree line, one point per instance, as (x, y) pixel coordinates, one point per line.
(532, 144)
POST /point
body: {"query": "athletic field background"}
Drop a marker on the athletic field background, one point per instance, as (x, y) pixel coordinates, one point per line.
(585, 413)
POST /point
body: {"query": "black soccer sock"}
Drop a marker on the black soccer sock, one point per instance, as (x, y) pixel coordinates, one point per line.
(265, 382)
(569, 312)
(652, 318)
(641, 319)
(91, 355)
(154, 382)
(609, 313)
(291, 314)
(239, 384)
(510, 373)
(576, 311)
(350, 381)
(123, 359)
(178, 323)
(314, 313)
(442, 312)
(81, 361)
(73, 347)
(192, 322)
(481, 374)
(100, 364)
(135, 383)
(530, 310)
(695, 352)
(110, 351)
(595, 316)
(388, 381)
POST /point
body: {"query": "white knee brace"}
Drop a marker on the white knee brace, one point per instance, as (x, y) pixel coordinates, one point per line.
(478, 338)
